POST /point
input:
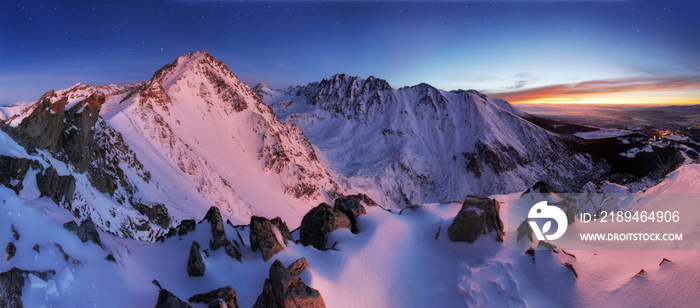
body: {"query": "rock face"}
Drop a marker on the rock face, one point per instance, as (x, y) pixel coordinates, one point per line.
(318, 223)
(218, 234)
(298, 266)
(59, 188)
(195, 264)
(13, 170)
(351, 207)
(285, 289)
(186, 226)
(284, 230)
(12, 283)
(540, 187)
(169, 300)
(262, 237)
(225, 294)
(479, 215)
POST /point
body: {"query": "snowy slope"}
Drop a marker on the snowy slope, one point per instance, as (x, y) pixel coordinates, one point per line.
(395, 260)
(420, 144)
(142, 157)
(209, 140)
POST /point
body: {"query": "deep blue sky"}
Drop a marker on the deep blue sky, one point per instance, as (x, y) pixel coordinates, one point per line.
(515, 49)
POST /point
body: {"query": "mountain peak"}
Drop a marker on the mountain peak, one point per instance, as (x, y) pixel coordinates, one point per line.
(199, 62)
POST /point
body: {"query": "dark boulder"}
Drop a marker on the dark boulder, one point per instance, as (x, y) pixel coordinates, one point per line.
(71, 226)
(11, 250)
(15, 234)
(218, 235)
(233, 252)
(524, 229)
(262, 237)
(195, 264)
(225, 294)
(540, 187)
(351, 207)
(285, 289)
(318, 223)
(87, 231)
(478, 215)
(169, 300)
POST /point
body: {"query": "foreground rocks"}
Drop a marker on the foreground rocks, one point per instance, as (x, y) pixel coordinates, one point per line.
(225, 295)
(12, 283)
(351, 207)
(169, 300)
(195, 264)
(218, 234)
(262, 237)
(478, 215)
(285, 289)
(318, 223)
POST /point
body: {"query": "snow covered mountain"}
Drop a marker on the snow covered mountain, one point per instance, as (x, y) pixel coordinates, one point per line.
(419, 144)
(139, 158)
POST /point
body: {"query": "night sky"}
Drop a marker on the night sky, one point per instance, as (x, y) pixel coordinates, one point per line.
(523, 51)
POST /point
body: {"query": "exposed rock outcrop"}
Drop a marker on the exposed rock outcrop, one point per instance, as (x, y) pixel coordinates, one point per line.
(86, 231)
(169, 300)
(14, 169)
(351, 207)
(318, 223)
(226, 294)
(478, 215)
(12, 283)
(60, 188)
(262, 237)
(195, 264)
(285, 289)
(218, 234)
(11, 250)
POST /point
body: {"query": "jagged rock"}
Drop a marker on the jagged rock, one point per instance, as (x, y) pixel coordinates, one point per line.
(10, 249)
(15, 234)
(233, 252)
(71, 226)
(479, 215)
(156, 213)
(14, 169)
(195, 264)
(87, 231)
(218, 235)
(571, 267)
(298, 266)
(351, 207)
(169, 300)
(110, 257)
(642, 274)
(284, 230)
(37, 248)
(530, 252)
(524, 229)
(262, 237)
(226, 294)
(286, 289)
(59, 188)
(186, 226)
(665, 261)
(318, 223)
(12, 283)
(540, 187)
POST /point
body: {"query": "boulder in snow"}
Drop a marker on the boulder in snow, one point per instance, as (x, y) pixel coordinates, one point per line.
(195, 264)
(285, 289)
(169, 300)
(262, 237)
(318, 223)
(479, 215)
(226, 294)
(351, 207)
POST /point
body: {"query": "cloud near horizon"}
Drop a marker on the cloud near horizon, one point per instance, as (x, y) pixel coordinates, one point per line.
(573, 92)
